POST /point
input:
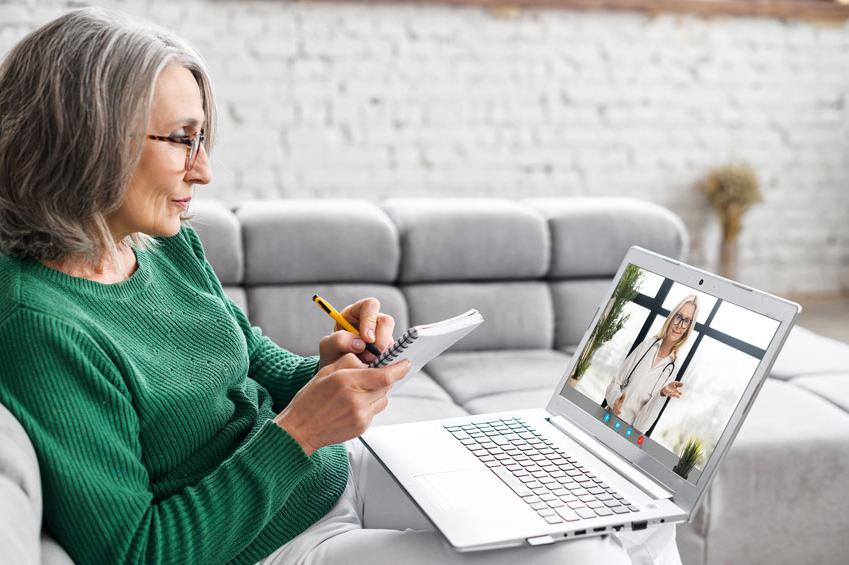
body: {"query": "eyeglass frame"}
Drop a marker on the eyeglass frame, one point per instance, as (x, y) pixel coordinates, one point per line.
(680, 321)
(192, 143)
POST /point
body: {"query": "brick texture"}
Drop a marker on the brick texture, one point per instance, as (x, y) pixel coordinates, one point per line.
(350, 100)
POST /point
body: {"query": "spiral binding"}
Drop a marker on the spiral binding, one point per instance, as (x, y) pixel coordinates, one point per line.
(396, 349)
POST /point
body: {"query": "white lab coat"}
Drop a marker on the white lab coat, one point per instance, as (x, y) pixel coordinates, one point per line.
(643, 401)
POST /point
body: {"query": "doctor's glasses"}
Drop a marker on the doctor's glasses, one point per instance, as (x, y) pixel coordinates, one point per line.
(679, 320)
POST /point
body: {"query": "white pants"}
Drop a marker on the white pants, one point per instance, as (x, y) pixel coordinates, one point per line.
(374, 523)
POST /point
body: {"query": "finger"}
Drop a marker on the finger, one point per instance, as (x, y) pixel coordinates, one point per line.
(385, 327)
(383, 378)
(348, 361)
(345, 342)
(363, 315)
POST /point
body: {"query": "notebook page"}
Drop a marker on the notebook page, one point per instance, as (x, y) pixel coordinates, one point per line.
(421, 344)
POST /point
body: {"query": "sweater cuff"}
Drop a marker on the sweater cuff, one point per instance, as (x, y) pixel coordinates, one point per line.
(278, 458)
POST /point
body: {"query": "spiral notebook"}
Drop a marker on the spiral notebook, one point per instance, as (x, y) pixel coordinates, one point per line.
(421, 344)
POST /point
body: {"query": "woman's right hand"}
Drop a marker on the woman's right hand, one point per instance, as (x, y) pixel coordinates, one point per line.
(339, 403)
(617, 404)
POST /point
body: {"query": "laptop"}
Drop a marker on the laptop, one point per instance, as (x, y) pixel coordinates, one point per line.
(633, 432)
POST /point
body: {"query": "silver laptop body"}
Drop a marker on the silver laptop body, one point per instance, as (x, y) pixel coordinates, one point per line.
(480, 497)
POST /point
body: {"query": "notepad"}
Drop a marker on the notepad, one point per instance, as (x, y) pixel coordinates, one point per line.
(421, 344)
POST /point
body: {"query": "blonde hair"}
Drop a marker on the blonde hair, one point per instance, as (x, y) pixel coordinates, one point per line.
(75, 100)
(691, 299)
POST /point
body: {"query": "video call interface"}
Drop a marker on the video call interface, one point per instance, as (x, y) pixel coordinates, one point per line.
(667, 365)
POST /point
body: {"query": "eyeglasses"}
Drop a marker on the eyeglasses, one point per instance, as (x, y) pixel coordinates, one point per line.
(679, 320)
(192, 143)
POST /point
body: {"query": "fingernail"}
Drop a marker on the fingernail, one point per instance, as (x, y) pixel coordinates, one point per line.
(407, 363)
(358, 344)
(370, 333)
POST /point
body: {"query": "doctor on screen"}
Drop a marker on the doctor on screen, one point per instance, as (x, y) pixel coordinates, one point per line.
(645, 380)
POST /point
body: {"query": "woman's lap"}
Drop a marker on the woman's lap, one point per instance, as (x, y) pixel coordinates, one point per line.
(374, 523)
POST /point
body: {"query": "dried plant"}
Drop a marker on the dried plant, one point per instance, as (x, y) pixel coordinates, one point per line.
(731, 189)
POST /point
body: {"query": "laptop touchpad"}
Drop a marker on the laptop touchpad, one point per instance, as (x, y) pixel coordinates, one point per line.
(462, 489)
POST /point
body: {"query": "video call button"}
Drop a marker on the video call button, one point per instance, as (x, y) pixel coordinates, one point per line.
(640, 440)
(617, 425)
(606, 417)
(629, 431)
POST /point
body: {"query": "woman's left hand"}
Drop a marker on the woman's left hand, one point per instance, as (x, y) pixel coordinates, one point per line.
(374, 327)
(672, 389)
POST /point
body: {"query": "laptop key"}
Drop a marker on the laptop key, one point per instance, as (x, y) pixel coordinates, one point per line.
(566, 514)
(512, 482)
(553, 520)
(575, 504)
(539, 505)
(556, 503)
(585, 513)
(603, 511)
(620, 509)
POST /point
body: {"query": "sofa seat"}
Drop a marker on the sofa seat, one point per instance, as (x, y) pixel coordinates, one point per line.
(780, 495)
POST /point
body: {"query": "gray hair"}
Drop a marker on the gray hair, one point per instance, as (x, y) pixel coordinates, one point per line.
(74, 96)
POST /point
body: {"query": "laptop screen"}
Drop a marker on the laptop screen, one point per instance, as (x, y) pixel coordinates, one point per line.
(666, 366)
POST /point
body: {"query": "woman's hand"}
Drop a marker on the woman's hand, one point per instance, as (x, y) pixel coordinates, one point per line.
(339, 402)
(672, 389)
(617, 404)
(374, 327)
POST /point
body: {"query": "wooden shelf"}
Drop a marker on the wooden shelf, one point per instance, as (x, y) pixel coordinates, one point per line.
(833, 10)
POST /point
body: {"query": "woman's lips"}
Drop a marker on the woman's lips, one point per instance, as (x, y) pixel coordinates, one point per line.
(183, 203)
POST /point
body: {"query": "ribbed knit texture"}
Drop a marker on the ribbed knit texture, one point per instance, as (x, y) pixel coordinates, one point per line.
(149, 403)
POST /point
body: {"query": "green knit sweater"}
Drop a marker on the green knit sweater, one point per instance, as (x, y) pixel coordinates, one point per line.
(149, 403)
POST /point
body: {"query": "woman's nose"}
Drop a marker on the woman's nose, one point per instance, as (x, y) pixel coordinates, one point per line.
(201, 172)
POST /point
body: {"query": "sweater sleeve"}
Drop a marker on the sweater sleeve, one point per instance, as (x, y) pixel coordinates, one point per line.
(68, 394)
(280, 372)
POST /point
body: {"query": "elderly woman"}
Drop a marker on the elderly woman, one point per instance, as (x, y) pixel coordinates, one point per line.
(167, 428)
(640, 388)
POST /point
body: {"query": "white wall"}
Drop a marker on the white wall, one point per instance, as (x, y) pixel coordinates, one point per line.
(351, 100)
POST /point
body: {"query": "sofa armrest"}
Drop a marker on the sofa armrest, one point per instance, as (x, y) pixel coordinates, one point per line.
(20, 494)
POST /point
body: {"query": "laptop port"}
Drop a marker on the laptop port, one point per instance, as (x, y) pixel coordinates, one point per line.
(601, 529)
(580, 532)
(617, 528)
(636, 526)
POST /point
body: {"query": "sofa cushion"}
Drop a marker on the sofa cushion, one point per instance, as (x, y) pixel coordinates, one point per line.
(590, 236)
(307, 241)
(574, 305)
(789, 460)
(403, 409)
(517, 315)
(420, 385)
(287, 314)
(468, 376)
(833, 387)
(468, 239)
(221, 234)
(807, 353)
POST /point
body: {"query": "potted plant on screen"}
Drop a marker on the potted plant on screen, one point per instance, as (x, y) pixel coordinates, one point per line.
(612, 319)
(690, 455)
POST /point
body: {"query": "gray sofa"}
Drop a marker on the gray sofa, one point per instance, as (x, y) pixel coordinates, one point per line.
(536, 269)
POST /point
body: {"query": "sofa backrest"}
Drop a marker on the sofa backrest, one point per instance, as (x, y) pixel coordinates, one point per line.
(536, 269)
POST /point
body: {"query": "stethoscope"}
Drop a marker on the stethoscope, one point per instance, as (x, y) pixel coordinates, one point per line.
(669, 365)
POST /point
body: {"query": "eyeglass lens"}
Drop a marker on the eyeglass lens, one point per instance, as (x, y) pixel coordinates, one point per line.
(680, 320)
(193, 150)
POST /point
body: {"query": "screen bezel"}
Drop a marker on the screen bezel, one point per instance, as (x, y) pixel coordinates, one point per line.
(686, 493)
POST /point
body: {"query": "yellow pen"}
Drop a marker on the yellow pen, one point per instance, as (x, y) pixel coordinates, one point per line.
(340, 319)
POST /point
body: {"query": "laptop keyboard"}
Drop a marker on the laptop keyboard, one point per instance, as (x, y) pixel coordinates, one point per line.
(555, 485)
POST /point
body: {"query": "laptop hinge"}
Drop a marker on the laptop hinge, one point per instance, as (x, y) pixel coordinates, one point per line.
(621, 465)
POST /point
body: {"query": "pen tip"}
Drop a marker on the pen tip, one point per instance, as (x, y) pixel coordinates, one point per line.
(314, 296)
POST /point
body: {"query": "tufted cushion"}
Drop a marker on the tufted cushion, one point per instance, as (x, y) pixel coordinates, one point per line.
(590, 236)
(465, 239)
(309, 241)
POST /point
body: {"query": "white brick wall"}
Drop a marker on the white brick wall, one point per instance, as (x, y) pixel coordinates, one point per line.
(339, 100)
